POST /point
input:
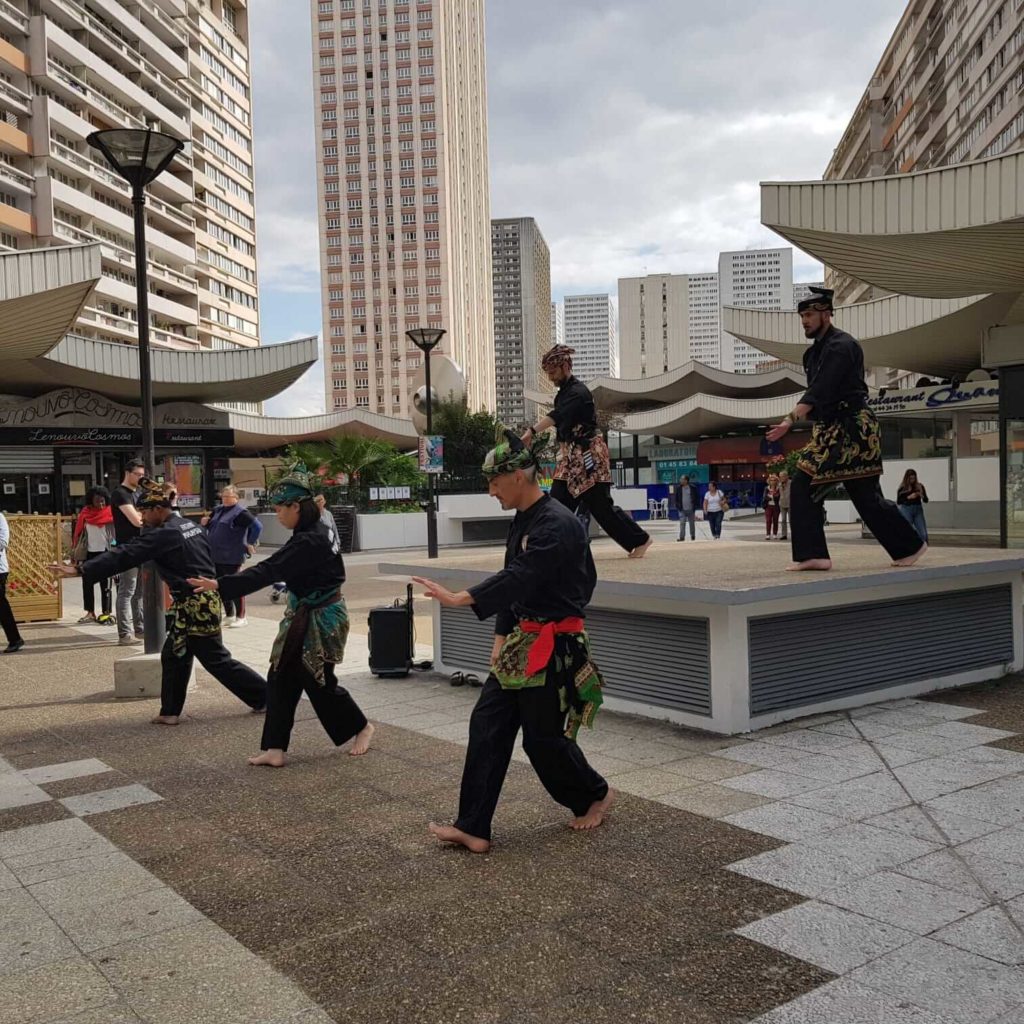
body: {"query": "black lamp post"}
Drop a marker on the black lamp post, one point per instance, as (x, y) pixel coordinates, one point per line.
(139, 155)
(426, 339)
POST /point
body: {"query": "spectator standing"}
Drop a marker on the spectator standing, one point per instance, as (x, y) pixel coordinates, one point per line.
(910, 498)
(687, 499)
(233, 532)
(96, 521)
(127, 527)
(784, 484)
(325, 513)
(10, 627)
(772, 506)
(714, 509)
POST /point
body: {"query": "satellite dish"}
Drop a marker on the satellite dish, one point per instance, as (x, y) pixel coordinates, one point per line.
(447, 382)
(979, 375)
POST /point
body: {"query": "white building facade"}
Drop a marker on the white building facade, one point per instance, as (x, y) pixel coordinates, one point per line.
(401, 122)
(182, 67)
(590, 328)
(752, 279)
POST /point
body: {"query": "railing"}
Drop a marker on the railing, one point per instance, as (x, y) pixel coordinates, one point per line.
(69, 231)
(12, 12)
(166, 20)
(93, 96)
(79, 160)
(170, 211)
(154, 267)
(16, 176)
(15, 95)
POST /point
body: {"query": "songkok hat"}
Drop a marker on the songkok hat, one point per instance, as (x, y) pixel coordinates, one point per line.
(510, 454)
(292, 487)
(821, 300)
(152, 495)
(559, 355)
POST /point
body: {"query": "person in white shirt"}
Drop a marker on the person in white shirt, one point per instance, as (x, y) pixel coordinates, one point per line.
(10, 627)
(714, 509)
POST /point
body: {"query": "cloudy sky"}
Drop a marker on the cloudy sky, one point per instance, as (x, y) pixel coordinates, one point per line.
(635, 132)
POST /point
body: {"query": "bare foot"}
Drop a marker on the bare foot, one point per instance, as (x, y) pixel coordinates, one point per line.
(450, 834)
(362, 741)
(811, 565)
(271, 758)
(642, 550)
(911, 559)
(596, 814)
(164, 720)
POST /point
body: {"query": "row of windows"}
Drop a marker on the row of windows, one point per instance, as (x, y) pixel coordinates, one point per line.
(225, 263)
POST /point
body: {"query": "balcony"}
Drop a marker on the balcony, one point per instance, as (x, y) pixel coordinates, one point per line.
(16, 178)
(14, 98)
(79, 88)
(10, 15)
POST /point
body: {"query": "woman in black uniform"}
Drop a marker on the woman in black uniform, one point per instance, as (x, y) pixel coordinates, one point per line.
(311, 640)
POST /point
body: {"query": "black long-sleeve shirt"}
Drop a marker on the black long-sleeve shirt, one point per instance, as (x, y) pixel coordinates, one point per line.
(574, 414)
(309, 562)
(549, 572)
(835, 373)
(179, 548)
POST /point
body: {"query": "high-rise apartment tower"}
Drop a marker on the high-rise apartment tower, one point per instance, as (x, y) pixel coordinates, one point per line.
(757, 279)
(69, 68)
(590, 329)
(521, 265)
(401, 123)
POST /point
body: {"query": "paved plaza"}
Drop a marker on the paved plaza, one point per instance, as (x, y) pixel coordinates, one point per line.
(854, 868)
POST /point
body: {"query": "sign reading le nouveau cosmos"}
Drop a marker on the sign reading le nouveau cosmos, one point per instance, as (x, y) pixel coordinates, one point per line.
(937, 397)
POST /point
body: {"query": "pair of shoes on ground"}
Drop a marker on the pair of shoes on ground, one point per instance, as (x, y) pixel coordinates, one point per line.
(104, 620)
(233, 622)
(465, 679)
(130, 641)
(14, 646)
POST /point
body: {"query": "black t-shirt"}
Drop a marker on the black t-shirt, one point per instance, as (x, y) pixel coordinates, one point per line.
(124, 531)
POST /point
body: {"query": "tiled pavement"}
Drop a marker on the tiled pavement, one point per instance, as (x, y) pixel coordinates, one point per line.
(851, 868)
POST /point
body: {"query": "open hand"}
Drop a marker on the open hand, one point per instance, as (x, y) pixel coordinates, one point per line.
(59, 569)
(201, 584)
(778, 431)
(442, 594)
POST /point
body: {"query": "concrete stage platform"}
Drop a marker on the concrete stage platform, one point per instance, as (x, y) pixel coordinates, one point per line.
(717, 636)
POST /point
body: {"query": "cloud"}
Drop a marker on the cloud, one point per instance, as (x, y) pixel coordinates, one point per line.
(306, 396)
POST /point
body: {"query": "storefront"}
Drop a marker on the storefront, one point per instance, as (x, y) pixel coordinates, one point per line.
(55, 446)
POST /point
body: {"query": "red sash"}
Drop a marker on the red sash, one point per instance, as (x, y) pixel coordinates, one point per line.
(544, 646)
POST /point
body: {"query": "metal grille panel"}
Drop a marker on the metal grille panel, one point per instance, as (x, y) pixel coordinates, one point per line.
(652, 659)
(803, 658)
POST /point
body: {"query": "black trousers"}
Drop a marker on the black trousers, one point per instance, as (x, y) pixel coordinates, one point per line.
(597, 500)
(881, 516)
(559, 762)
(339, 714)
(232, 606)
(248, 686)
(89, 590)
(7, 623)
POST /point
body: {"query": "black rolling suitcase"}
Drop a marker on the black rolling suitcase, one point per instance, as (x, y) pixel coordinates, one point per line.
(391, 639)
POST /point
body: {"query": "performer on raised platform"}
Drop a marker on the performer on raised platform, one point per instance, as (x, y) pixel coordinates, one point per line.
(583, 474)
(543, 679)
(179, 549)
(313, 631)
(845, 445)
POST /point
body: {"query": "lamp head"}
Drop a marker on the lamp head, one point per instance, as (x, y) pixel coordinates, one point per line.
(138, 154)
(425, 338)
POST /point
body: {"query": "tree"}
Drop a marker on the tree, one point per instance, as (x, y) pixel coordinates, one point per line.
(468, 437)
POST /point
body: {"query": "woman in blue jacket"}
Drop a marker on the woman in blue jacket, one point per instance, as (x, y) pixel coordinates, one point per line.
(233, 533)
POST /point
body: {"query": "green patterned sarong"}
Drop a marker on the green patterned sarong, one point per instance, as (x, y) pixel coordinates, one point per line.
(317, 625)
(196, 615)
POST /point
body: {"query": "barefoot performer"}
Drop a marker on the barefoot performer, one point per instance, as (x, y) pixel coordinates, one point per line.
(311, 640)
(583, 470)
(180, 549)
(542, 679)
(845, 445)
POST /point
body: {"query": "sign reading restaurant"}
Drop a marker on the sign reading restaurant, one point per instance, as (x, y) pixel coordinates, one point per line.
(73, 417)
(937, 398)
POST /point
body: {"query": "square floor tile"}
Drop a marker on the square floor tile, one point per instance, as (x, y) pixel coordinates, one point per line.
(858, 798)
(991, 933)
(650, 783)
(29, 937)
(946, 980)
(1001, 802)
(937, 776)
(109, 800)
(785, 821)
(1006, 844)
(706, 768)
(846, 1002)
(65, 770)
(875, 846)
(56, 991)
(829, 767)
(908, 903)
(811, 741)
(38, 841)
(764, 755)
(826, 936)
(976, 876)
(105, 883)
(772, 783)
(803, 869)
(18, 792)
(948, 711)
(711, 800)
(935, 826)
(904, 719)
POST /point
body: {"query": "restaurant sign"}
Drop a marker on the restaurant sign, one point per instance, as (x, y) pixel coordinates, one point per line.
(937, 398)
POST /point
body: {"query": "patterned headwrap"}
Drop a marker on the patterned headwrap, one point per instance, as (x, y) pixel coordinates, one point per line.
(152, 495)
(820, 299)
(510, 454)
(560, 355)
(292, 487)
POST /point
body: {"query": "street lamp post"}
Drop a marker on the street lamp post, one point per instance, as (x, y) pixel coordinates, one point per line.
(426, 339)
(139, 155)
